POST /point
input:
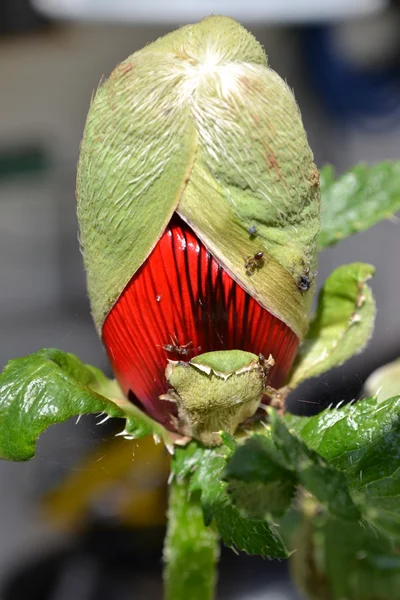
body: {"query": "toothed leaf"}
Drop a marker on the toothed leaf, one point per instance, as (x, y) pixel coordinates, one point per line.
(279, 456)
(357, 200)
(49, 387)
(205, 467)
(362, 440)
(259, 481)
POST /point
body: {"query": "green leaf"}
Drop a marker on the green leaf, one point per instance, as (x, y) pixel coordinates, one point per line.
(186, 460)
(361, 562)
(342, 326)
(245, 534)
(259, 481)
(280, 456)
(344, 436)
(205, 468)
(363, 440)
(357, 200)
(327, 484)
(337, 560)
(191, 549)
(262, 500)
(50, 386)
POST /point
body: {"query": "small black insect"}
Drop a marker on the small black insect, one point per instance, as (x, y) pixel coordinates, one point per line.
(304, 283)
(181, 350)
(254, 262)
(306, 278)
(252, 230)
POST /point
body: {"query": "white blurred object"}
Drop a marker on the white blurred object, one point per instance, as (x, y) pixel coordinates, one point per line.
(369, 42)
(184, 11)
(384, 382)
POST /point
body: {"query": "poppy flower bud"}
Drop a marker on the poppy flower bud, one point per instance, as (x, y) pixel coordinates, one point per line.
(198, 205)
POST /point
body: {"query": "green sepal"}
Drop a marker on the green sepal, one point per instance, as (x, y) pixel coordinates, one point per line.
(51, 386)
(135, 158)
(204, 467)
(191, 549)
(357, 200)
(260, 178)
(198, 123)
(342, 325)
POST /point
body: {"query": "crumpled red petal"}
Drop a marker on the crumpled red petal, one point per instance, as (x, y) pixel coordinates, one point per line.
(179, 304)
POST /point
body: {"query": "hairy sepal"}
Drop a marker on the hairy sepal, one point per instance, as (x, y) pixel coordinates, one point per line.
(197, 122)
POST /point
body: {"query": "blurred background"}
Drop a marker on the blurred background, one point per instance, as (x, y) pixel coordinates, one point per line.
(85, 518)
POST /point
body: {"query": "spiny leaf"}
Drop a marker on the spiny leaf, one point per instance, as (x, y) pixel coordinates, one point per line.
(342, 326)
(344, 435)
(50, 386)
(280, 456)
(248, 535)
(357, 200)
(363, 440)
(205, 468)
(259, 480)
(262, 500)
(326, 483)
(186, 460)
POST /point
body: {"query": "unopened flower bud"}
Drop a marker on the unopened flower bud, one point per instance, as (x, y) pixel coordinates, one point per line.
(198, 204)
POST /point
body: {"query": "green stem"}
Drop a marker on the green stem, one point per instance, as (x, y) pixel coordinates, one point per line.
(191, 549)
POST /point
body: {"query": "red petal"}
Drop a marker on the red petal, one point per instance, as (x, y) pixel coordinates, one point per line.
(182, 297)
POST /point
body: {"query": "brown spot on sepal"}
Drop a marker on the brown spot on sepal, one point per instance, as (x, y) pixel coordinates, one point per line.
(121, 69)
(314, 177)
(272, 163)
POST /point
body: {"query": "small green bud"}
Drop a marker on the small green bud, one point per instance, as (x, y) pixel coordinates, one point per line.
(216, 391)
